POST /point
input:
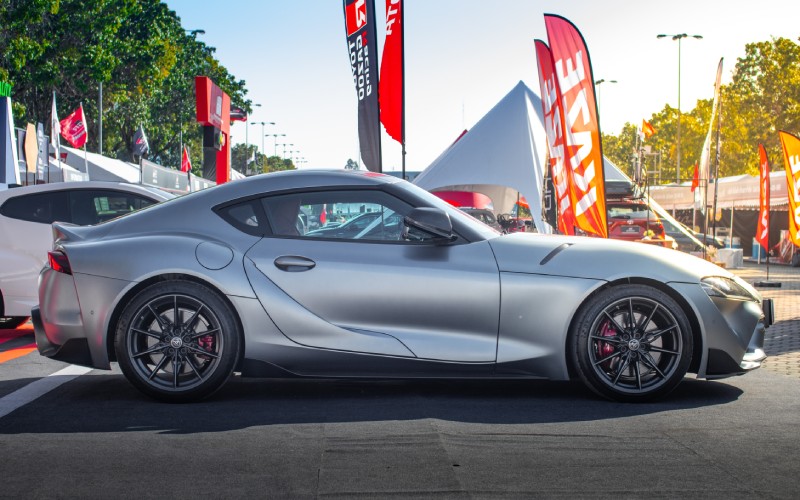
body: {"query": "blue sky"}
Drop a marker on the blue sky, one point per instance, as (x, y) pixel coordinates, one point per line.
(462, 57)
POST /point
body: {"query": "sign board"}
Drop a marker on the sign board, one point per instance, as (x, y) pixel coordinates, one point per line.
(165, 178)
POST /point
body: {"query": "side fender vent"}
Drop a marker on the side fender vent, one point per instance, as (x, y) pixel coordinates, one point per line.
(555, 252)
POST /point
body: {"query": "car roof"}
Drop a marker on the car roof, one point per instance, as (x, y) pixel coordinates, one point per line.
(150, 191)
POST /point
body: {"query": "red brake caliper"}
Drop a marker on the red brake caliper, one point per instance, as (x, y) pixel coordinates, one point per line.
(206, 342)
(605, 349)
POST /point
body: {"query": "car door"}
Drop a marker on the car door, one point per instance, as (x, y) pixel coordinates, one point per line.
(372, 292)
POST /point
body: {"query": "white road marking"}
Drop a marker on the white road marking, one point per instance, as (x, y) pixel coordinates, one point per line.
(39, 388)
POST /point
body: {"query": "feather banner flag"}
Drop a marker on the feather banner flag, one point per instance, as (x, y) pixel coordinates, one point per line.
(583, 149)
(553, 124)
(390, 83)
(362, 46)
(73, 128)
(791, 159)
(695, 177)
(762, 229)
(55, 127)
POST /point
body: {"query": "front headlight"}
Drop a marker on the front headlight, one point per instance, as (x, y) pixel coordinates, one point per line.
(730, 288)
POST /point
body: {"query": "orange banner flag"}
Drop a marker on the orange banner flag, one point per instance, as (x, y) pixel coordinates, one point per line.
(791, 158)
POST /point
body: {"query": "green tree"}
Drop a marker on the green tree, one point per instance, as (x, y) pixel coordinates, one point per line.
(350, 165)
(763, 97)
(140, 52)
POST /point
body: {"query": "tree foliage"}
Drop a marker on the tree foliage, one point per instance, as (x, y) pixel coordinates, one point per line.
(145, 60)
(762, 98)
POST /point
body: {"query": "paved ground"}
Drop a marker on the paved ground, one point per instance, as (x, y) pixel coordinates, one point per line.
(782, 342)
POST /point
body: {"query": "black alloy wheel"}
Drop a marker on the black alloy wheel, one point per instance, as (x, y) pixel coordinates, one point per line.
(631, 343)
(177, 341)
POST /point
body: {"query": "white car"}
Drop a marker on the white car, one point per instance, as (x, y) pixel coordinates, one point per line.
(26, 235)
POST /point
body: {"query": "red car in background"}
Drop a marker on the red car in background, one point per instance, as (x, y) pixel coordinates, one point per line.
(631, 219)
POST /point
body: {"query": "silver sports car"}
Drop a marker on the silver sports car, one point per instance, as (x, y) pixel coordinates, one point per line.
(185, 293)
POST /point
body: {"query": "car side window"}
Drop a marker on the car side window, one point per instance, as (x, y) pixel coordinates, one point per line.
(247, 216)
(44, 208)
(367, 215)
(90, 206)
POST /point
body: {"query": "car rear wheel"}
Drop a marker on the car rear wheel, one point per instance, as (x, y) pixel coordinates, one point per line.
(631, 343)
(177, 341)
(11, 322)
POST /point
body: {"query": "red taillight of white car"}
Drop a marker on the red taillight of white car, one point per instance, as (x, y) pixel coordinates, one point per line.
(58, 261)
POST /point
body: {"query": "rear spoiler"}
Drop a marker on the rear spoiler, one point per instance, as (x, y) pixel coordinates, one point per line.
(67, 231)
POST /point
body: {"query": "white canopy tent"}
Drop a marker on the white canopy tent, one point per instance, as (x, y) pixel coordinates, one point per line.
(101, 168)
(501, 156)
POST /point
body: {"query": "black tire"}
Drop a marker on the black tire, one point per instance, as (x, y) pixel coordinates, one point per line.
(631, 361)
(11, 322)
(177, 361)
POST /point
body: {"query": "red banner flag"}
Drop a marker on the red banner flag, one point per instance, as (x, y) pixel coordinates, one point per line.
(762, 230)
(553, 124)
(73, 128)
(186, 164)
(583, 149)
(791, 158)
(390, 83)
(696, 177)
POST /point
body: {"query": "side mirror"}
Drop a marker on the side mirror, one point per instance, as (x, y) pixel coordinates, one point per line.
(428, 224)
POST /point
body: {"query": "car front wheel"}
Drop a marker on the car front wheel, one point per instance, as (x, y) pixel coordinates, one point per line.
(631, 343)
(177, 341)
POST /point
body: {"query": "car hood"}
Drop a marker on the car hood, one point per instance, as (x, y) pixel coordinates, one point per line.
(597, 258)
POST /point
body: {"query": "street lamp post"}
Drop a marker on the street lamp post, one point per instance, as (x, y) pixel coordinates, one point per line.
(194, 34)
(246, 139)
(275, 143)
(262, 134)
(597, 85)
(679, 37)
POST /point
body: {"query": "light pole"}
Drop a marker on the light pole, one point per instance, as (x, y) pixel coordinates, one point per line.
(679, 37)
(275, 143)
(246, 140)
(262, 134)
(597, 85)
(284, 148)
(194, 34)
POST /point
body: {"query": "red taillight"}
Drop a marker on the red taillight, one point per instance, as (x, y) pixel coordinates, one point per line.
(58, 261)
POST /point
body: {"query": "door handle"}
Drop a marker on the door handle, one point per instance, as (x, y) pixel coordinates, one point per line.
(294, 263)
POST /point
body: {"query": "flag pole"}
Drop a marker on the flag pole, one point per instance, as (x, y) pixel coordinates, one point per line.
(403, 85)
(85, 155)
(716, 174)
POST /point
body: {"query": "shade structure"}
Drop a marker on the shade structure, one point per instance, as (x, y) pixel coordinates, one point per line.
(502, 156)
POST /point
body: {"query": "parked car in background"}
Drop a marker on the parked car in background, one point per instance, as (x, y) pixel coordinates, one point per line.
(484, 215)
(632, 219)
(26, 235)
(221, 281)
(512, 224)
(689, 240)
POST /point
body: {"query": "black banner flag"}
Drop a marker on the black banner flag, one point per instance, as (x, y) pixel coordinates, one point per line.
(362, 46)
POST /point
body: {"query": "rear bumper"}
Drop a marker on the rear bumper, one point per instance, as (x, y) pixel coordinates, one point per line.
(73, 351)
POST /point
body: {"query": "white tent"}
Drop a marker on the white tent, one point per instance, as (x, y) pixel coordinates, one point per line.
(101, 168)
(502, 155)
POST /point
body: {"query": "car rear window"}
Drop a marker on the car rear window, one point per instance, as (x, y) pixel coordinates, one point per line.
(45, 208)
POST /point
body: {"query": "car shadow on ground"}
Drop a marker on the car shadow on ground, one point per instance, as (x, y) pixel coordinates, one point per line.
(108, 403)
